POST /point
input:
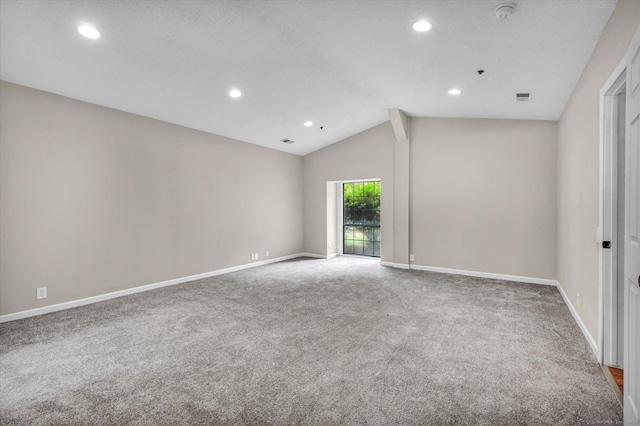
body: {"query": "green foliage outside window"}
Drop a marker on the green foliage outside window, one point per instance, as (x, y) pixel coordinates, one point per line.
(362, 218)
(362, 203)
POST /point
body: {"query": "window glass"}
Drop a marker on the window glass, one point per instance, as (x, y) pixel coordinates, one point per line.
(362, 218)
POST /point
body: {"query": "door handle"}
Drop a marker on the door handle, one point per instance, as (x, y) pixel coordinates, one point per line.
(606, 244)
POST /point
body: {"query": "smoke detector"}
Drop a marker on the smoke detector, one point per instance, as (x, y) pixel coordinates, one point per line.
(505, 10)
(286, 140)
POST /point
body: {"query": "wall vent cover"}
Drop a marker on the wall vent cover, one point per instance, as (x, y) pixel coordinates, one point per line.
(523, 97)
(286, 140)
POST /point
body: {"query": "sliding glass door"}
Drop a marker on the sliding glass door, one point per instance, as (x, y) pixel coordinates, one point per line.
(361, 218)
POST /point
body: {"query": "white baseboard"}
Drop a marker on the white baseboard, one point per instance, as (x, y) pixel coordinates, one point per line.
(139, 289)
(396, 265)
(504, 277)
(543, 281)
(147, 287)
(314, 255)
(576, 317)
(332, 255)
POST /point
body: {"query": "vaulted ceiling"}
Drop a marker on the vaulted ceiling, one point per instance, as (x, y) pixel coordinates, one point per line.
(339, 64)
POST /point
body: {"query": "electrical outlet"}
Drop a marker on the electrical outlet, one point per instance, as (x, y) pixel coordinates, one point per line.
(329, 244)
(578, 300)
(253, 256)
(267, 253)
(256, 256)
(41, 293)
(412, 258)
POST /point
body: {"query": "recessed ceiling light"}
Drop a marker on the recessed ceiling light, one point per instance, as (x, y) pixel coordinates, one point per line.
(308, 123)
(422, 26)
(89, 32)
(235, 93)
(454, 92)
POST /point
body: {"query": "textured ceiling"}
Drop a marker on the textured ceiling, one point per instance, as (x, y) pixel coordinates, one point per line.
(340, 64)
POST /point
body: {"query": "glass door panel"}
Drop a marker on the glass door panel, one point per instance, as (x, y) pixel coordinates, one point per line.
(361, 215)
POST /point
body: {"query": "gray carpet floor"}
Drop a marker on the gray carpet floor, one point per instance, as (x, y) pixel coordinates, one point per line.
(308, 341)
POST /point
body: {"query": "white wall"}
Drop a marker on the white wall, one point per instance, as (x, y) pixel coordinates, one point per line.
(367, 155)
(332, 218)
(483, 195)
(578, 168)
(482, 192)
(95, 200)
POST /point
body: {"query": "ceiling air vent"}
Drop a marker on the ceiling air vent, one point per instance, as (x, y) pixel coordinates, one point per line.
(523, 97)
(285, 140)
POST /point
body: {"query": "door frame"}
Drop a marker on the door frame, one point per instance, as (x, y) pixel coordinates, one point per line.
(340, 215)
(607, 286)
(631, 244)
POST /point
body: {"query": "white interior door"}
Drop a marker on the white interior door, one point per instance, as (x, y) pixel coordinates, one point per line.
(612, 154)
(632, 237)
